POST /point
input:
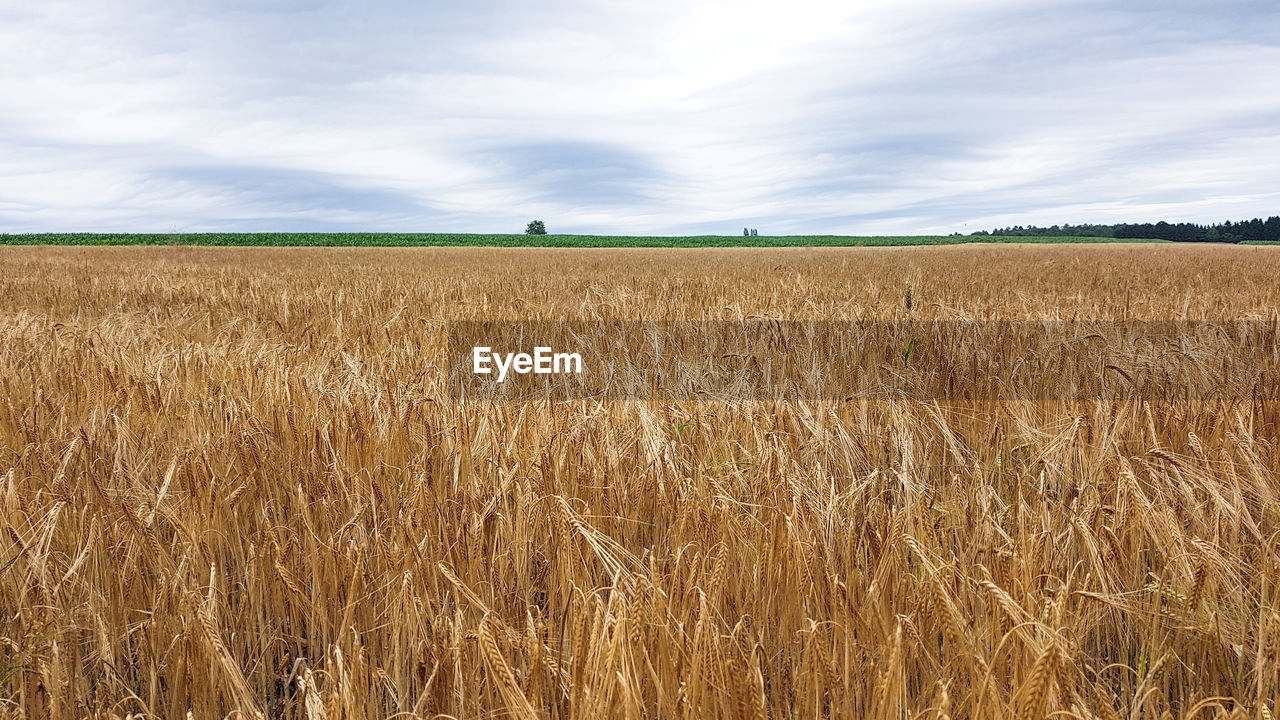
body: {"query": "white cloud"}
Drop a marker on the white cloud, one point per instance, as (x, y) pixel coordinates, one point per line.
(662, 117)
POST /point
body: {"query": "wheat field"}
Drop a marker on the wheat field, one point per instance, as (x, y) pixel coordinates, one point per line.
(235, 484)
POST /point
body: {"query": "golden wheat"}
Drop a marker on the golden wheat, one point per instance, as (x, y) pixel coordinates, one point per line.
(235, 482)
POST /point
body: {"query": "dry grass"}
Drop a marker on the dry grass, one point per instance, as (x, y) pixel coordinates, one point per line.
(233, 483)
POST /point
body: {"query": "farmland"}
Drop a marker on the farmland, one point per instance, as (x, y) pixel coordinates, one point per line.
(498, 240)
(234, 480)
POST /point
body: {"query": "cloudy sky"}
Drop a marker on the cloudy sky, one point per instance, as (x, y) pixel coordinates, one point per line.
(655, 117)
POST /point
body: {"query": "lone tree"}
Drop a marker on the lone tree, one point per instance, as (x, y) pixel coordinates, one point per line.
(535, 227)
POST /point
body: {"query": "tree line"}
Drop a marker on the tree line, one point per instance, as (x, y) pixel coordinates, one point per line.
(1255, 230)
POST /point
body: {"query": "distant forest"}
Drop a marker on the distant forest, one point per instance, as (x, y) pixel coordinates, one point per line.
(1255, 230)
